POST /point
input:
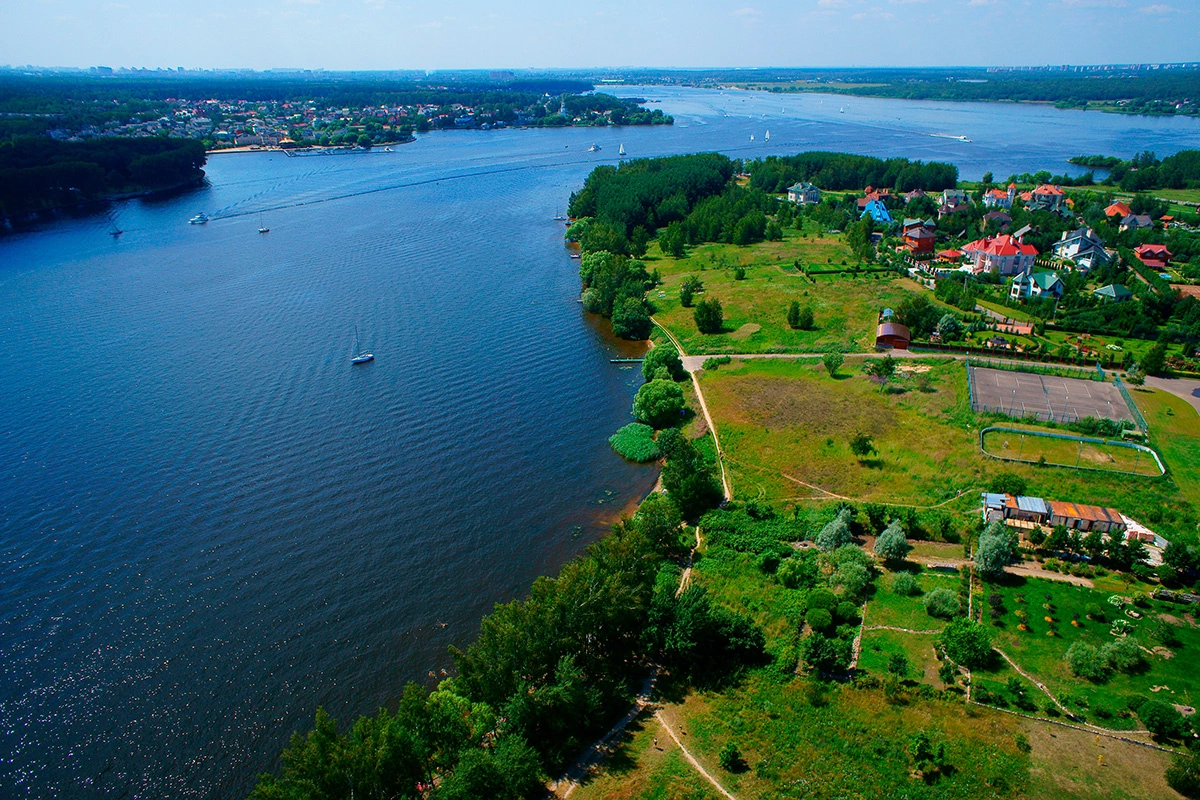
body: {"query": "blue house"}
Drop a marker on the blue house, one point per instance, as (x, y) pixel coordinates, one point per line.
(878, 212)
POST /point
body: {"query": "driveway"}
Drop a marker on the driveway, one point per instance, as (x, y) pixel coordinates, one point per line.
(1187, 388)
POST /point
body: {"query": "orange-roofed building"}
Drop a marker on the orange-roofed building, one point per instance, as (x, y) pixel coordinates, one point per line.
(1047, 198)
(1154, 256)
(1119, 210)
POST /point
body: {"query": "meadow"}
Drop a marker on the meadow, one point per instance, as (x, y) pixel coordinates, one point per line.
(785, 426)
(845, 306)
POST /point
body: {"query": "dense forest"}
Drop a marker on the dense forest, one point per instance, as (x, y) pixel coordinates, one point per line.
(1145, 171)
(845, 171)
(40, 173)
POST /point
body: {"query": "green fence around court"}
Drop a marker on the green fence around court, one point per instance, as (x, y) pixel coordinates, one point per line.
(1133, 409)
(1140, 453)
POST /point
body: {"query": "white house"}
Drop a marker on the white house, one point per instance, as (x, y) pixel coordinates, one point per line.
(804, 193)
(1083, 248)
(1038, 284)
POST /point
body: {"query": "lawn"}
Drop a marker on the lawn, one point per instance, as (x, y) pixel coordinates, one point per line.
(1067, 453)
(845, 307)
(785, 427)
(1169, 675)
(887, 607)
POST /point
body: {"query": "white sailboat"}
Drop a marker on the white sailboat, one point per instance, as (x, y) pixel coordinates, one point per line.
(362, 356)
(261, 228)
(752, 137)
(621, 150)
(767, 138)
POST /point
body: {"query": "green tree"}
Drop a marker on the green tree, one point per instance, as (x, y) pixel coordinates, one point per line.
(881, 369)
(1162, 719)
(730, 758)
(793, 315)
(835, 534)
(672, 240)
(825, 654)
(892, 545)
(861, 445)
(949, 328)
(660, 356)
(819, 619)
(658, 403)
(1007, 483)
(1155, 359)
(967, 642)
(832, 361)
(638, 242)
(630, 320)
(687, 477)
(805, 320)
(898, 665)
(996, 548)
(709, 316)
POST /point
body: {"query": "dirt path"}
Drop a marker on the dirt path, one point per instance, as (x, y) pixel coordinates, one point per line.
(1028, 569)
(699, 768)
(894, 628)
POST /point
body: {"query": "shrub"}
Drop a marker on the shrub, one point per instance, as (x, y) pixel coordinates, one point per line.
(794, 573)
(824, 654)
(942, 603)
(709, 316)
(819, 619)
(730, 758)
(635, 442)
(898, 665)
(905, 585)
(715, 362)
(836, 533)
(1007, 483)
(847, 612)
(1085, 661)
(1184, 775)
(1162, 719)
(822, 598)
(768, 562)
(1124, 654)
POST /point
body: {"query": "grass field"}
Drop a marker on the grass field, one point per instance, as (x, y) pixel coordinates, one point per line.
(785, 427)
(1063, 452)
(845, 307)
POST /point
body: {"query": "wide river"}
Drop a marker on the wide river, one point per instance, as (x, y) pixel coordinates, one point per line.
(211, 522)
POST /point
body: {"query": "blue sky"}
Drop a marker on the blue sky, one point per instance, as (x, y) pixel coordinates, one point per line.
(404, 34)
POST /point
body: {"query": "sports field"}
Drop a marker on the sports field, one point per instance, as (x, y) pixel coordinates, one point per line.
(1046, 397)
(1066, 451)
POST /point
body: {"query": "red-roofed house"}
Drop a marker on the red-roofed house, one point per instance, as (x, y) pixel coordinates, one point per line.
(1154, 256)
(1047, 198)
(999, 198)
(1119, 210)
(1005, 255)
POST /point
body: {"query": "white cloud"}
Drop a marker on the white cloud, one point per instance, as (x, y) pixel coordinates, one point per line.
(982, 2)
(749, 13)
(832, 3)
(304, 2)
(906, 2)
(1095, 3)
(1159, 9)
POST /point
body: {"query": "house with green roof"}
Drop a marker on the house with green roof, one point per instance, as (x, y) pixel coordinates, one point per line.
(1113, 293)
(1036, 284)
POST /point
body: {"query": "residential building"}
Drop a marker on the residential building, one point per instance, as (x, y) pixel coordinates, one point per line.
(1076, 516)
(919, 239)
(1133, 222)
(1083, 248)
(1118, 209)
(1154, 256)
(913, 195)
(1003, 255)
(1000, 198)
(1113, 293)
(1082, 517)
(955, 197)
(1037, 284)
(1048, 198)
(804, 193)
(1002, 219)
(877, 211)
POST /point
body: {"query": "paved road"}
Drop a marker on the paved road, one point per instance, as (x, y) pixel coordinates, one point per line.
(1187, 388)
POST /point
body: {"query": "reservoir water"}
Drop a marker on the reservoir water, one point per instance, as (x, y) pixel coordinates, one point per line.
(211, 522)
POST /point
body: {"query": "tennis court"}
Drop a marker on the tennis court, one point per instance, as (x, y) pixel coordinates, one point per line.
(1046, 397)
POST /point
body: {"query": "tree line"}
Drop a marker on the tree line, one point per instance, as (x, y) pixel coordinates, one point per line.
(845, 171)
(41, 173)
(1145, 171)
(546, 674)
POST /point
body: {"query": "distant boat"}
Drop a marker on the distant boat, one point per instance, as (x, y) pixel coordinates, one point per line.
(595, 148)
(621, 150)
(752, 137)
(199, 219)
(843, 110)
(362, 356)
(559, 217)
(261, 229)
(948, 136)
(767, 138)
(114, 231)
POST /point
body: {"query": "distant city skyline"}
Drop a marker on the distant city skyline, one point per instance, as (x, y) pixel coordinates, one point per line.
(473, 34)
